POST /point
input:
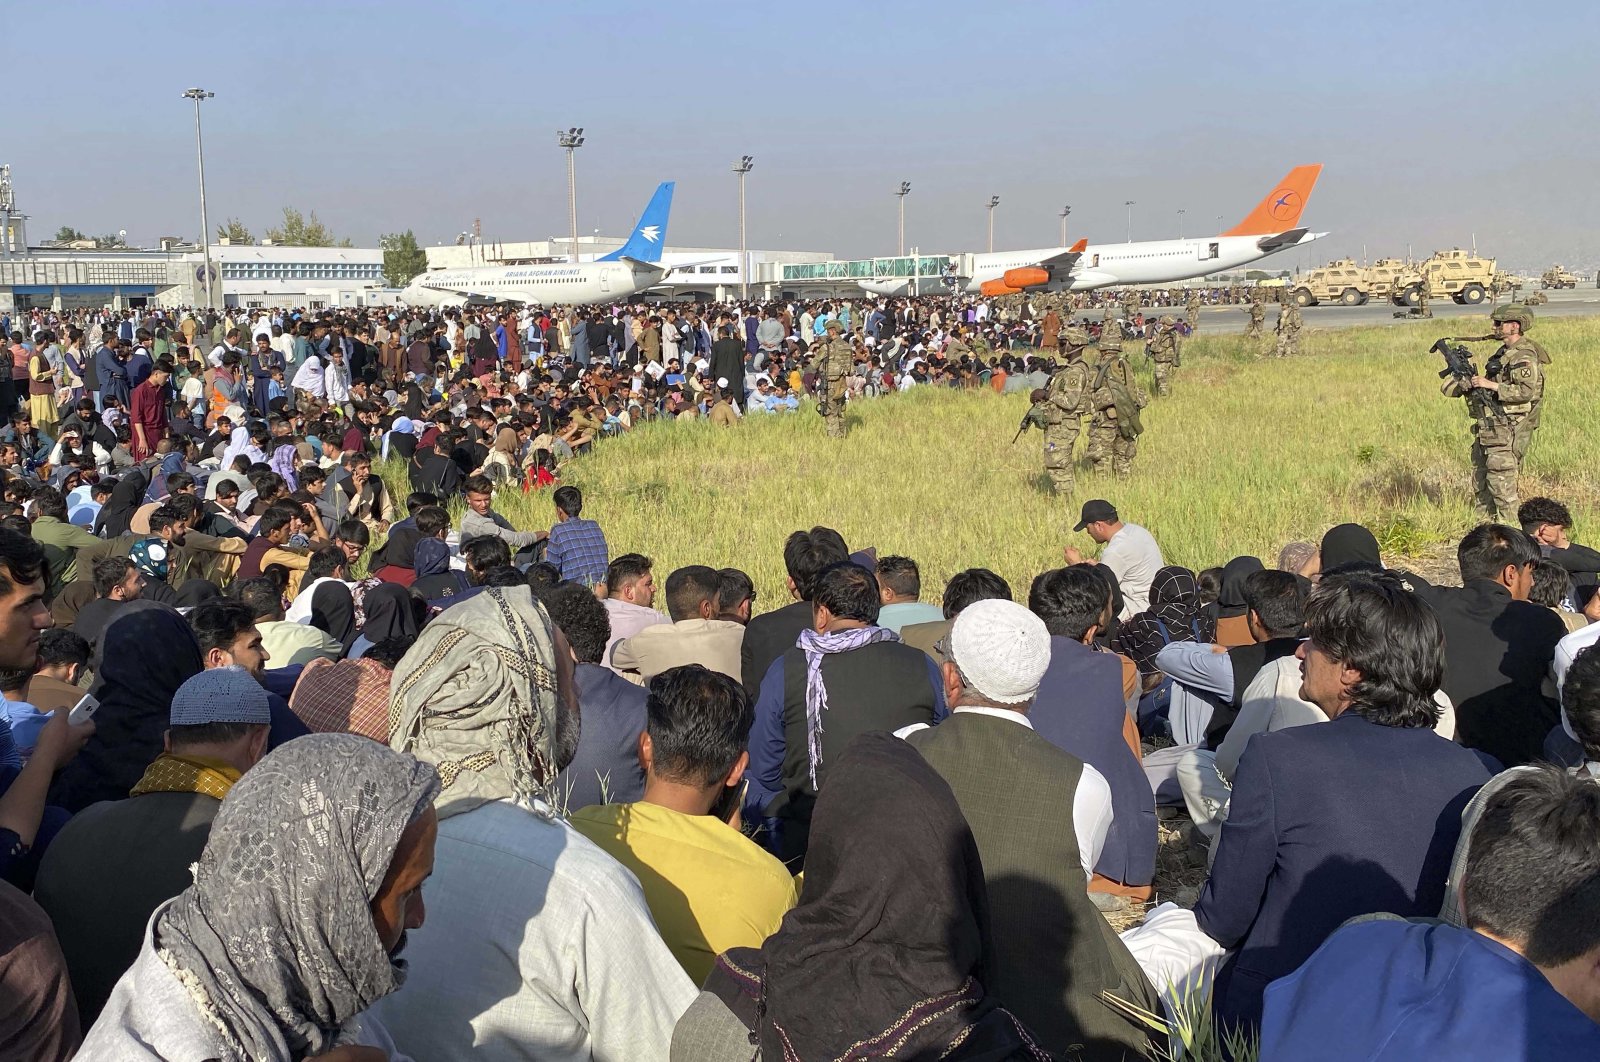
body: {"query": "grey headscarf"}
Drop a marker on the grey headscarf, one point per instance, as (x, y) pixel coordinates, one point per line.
(476, 697)
(275, 939)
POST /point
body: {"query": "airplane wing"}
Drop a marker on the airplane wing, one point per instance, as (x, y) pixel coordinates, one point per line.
(1064, 262)
(1045, 271)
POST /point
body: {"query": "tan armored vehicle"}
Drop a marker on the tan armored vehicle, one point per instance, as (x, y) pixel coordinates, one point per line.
(1454, 274)
(1556, 277)
(1342, 281)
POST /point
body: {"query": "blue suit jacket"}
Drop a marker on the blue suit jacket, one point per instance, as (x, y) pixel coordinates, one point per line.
(1328, 822)
(1396, 992)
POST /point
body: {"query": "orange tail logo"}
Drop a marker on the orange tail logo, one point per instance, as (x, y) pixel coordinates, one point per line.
(1281, 209)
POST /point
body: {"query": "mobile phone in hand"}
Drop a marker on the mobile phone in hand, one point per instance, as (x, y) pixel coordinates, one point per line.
(83, 711)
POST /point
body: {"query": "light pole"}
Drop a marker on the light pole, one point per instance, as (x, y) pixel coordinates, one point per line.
(1129, 204)
(905, 190)
(572, 140)
(742, 167)
(1180, 223)
(1064, 212)
(994, 201)
(197, 95)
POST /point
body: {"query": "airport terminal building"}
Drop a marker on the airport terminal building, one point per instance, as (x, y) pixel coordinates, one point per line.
(81, 275)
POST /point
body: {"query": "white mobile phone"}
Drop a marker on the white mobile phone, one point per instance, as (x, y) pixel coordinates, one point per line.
(83, 711)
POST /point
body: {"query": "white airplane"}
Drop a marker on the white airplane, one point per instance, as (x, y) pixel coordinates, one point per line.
(630, 269)
(1269, 228)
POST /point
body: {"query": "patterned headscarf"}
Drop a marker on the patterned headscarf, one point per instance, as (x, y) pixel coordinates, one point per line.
(275, 940)
(476, 697)
(1175, 603)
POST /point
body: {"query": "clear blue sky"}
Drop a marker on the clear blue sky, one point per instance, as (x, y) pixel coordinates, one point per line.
(1433, 123)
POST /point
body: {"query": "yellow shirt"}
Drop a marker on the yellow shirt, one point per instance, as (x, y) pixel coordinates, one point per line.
(710, 888)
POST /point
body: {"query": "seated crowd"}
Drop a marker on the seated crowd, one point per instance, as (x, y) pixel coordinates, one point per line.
(361, 783)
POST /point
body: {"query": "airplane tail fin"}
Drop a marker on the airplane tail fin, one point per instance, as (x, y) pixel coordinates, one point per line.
(650, 235)
(1281, 209)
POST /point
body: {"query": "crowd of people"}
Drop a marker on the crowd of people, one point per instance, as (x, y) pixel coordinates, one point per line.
(291, 768)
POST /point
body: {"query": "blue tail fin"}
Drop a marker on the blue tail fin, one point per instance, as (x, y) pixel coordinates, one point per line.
(650, 235)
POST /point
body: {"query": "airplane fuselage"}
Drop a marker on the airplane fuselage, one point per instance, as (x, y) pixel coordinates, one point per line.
(577, 284)
(1107, 264)
(1149, 262)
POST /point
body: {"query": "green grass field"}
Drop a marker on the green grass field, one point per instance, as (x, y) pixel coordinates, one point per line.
(1247, 454)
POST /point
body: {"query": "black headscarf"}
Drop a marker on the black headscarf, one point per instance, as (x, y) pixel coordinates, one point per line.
(1230, 598)
(390, 613)
(1350, 545)
(401, 548)
(887, 944)
(1174, 603)
(117, 512)
(196, 592)
(333, 611)
(145, 654)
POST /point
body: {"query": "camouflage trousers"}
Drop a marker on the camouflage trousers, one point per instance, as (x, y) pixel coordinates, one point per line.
(1497, 454)
(1059, 442)
(1164, 371)
(1106, 444)
(1252, 330)
(833, 416)
(1288, 344)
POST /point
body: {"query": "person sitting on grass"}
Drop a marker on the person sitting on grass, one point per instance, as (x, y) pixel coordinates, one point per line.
(1521, 977)
(577, 547)
(709, 887)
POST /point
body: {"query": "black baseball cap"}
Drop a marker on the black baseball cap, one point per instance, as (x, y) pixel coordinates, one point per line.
(1095, 510)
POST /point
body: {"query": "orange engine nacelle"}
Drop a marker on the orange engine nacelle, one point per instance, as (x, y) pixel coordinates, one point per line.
(1026, 277)
(996, 287)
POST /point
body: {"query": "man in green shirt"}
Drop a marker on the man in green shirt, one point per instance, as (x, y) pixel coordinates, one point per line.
(60, 539)
(709, 887)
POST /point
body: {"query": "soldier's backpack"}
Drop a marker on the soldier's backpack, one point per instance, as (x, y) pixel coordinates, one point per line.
(1127, 406)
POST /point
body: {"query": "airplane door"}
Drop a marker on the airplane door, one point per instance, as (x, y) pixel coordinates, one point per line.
(605, 280)
(1208, 251)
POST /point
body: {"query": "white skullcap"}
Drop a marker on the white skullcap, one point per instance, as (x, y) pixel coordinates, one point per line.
(1002, 650)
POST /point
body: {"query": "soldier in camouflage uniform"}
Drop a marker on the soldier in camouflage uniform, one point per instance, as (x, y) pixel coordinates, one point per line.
(1422, 300)
(1258, 316)
(1130, 303)
(835, 358)
(1191, 310)
(1066, 400)
(1504, 405)
(1288, 328)
(1110, 440)
(1163, 350)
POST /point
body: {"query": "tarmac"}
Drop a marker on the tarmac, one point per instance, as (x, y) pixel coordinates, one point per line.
(1583, 301)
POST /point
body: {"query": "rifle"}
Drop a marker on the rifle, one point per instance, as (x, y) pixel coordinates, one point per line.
(1458, 365)
(1027, 418)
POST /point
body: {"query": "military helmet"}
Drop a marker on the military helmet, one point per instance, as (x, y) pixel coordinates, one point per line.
(832, 324)
(1167, 320)
(1512, 312)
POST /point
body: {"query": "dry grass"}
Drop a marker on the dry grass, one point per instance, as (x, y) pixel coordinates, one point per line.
(1245, 456)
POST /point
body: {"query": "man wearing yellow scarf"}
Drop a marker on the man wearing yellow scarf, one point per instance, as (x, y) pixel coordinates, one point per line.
(117, 861)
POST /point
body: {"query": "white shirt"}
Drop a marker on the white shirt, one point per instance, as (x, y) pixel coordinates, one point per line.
(299, 611)
(537, 945)
(336, 382)
(1133, 555)
(1091, 803)
(1567, 650)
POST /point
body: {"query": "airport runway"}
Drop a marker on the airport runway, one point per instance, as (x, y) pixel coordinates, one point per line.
(1568, 302)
